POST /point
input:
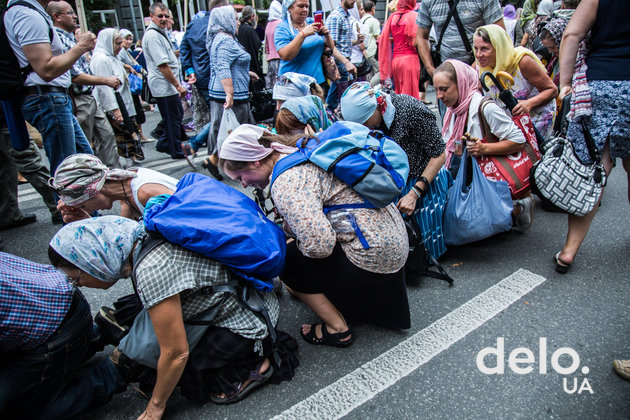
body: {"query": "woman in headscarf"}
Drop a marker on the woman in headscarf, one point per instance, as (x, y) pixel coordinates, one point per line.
(84, 184)
(412, 125)
(509, 19)
(273, 59)
(293, 85)
(229, 78)
(300, 45)
(551, 36)
(456, 84)
(398, 59)
(231, 358)
(533, 89)
(305, 115)
(249, 39)
(529, 13)
(117, 104)
(327, 267)
(543, 13)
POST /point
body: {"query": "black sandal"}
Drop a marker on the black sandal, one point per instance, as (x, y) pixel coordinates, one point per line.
(256, 379)
(327, 339)
(210, 167)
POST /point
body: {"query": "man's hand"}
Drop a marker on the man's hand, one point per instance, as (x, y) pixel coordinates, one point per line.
(86, 42)
(351, 68)
(112, 82)
(181, 90)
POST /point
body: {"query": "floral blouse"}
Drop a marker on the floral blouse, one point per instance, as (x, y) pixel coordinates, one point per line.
(301, 192)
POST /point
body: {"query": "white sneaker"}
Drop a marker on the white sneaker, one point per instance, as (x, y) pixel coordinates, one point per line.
(524, 219)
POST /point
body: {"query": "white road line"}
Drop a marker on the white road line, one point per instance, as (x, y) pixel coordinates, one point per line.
(363, 384)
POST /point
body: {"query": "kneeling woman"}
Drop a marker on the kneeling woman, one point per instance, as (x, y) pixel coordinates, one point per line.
(305, 115)
(233, 355)
(456, 85)
(327, 267)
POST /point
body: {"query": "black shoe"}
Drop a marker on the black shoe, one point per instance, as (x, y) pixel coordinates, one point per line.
(56, 218)
(26, 220)
(111, 331)
(214, 171)
(128, 369)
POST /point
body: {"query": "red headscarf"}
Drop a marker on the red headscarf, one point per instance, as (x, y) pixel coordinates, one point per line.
(467, 85)
(407, 17)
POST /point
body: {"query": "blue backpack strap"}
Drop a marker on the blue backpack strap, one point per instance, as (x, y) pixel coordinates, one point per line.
(285, 163)
(381, 159)
(352, 219)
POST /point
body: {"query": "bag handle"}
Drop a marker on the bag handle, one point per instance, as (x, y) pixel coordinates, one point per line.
(485, 127)
(590, 143)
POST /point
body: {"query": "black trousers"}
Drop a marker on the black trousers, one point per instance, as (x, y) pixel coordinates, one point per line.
(172, 114)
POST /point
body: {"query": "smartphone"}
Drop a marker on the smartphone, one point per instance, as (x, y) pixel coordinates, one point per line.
(318, 17)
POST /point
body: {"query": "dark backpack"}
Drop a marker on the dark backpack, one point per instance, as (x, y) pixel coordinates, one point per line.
(12, 76)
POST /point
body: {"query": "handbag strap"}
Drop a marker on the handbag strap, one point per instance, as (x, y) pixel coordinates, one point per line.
(451, 11)
(462, 31)
(485, 127)
(590, 143)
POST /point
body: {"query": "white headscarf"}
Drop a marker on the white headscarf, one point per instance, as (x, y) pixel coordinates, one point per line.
(105, 46)
(275, 10)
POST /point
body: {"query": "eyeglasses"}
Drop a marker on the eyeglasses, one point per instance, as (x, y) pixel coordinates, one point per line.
(163, 16)
(69, 12)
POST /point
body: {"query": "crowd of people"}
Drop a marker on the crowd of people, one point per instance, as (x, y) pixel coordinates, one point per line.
(184, 325)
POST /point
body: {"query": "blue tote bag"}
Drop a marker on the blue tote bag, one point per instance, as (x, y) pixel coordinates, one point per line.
(476, 211)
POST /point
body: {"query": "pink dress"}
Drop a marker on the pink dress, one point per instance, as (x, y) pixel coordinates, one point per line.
(405, 62)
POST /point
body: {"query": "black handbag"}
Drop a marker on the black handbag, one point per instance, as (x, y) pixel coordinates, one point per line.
(146, 92)
(420, 260)
(261, 101)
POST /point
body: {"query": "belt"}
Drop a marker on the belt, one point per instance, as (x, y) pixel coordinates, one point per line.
(39, 89)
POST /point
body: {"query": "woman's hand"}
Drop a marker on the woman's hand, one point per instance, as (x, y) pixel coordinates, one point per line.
(309, 30)
(476, 148)
(71, 214)
(523, 107)
(152, 412)
(253, 76)
(323, 30)
(564, 91)
(351, 68)
(229, 101)
(407, 204)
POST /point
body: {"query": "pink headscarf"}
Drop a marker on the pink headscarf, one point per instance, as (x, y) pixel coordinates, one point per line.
(242, 145)
(467, 85)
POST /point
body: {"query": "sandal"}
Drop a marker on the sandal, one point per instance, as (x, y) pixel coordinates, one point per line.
(327, 339)
(255, 379)
(210, 167)
(561, 266)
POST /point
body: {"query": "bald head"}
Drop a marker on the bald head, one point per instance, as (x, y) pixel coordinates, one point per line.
(63, 15)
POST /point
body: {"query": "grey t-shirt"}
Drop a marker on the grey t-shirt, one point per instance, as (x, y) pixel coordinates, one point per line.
(26, 26)
(472, 13)
(159, 50)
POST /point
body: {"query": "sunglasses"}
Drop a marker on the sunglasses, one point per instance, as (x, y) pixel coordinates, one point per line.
(162, 16)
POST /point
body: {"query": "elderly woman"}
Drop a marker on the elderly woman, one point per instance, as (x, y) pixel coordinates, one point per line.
(398, 58)
(232, 356)
(412, 125)
(601, 96)
(305, 115)
(249, 39)
(301, 45)
(118, 104)
(84, 185)
(456, 85)
(294, 85)
(533, 89)
(229, 78)
(551, 36)
(327, 267)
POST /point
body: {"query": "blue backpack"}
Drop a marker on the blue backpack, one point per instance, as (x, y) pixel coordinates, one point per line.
(374, 165)
(215, 220)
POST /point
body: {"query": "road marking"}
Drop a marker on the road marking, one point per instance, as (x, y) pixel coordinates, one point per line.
(356, 388)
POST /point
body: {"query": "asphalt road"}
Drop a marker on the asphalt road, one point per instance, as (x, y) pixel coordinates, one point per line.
(505, 287)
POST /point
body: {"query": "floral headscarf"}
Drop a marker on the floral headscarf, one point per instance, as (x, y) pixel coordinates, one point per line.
(556, 27)
(99, 246)
(80, 177)
(309, 110)
(290, 85)
(360, 100)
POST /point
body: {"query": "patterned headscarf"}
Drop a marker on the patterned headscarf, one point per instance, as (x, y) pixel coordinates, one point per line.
(222, 19)
(290, 85)
(285, 10)
(556, 27)
(360, 100)
(507, 57)
(99, 246)
(125, 33)
(242, 145)
(80, 177)
(309, 110)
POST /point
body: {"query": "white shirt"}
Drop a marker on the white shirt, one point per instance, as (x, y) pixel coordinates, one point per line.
(501, 124)
(158, 50)
(25, 26)
(149, 176)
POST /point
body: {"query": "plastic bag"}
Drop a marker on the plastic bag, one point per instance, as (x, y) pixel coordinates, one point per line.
(228, 124)
(135, 84)
(476, 211)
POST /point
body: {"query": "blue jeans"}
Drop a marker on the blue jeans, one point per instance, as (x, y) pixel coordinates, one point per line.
(337, 88)
(51, 114)
(45, 382)
(201, 138)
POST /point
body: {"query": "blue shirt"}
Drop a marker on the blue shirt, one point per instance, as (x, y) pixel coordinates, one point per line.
(308, 60)
(34, 300)
(193, 52)
(228, 60)
(338, 23)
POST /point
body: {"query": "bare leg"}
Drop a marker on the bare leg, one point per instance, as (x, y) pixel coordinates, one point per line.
(579, 225)
(626, 166)
(326, 311)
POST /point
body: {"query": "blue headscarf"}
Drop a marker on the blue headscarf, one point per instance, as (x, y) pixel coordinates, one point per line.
(99, 246)
(290, 85)
(285, 10)
(222, 19)
(309, 110)
(360, 100)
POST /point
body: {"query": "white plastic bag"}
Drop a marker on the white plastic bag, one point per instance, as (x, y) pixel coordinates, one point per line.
(228, 124)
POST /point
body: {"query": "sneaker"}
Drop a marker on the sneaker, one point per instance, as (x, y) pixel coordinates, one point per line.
(111, 331)
(622, 367)
(524, 219)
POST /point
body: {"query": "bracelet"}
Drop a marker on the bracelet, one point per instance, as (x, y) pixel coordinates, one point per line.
(419, 194)
(302, 32)
(423, 179)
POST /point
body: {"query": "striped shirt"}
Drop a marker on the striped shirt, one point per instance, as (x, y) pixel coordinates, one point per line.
(228, 60)
(34, 299)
